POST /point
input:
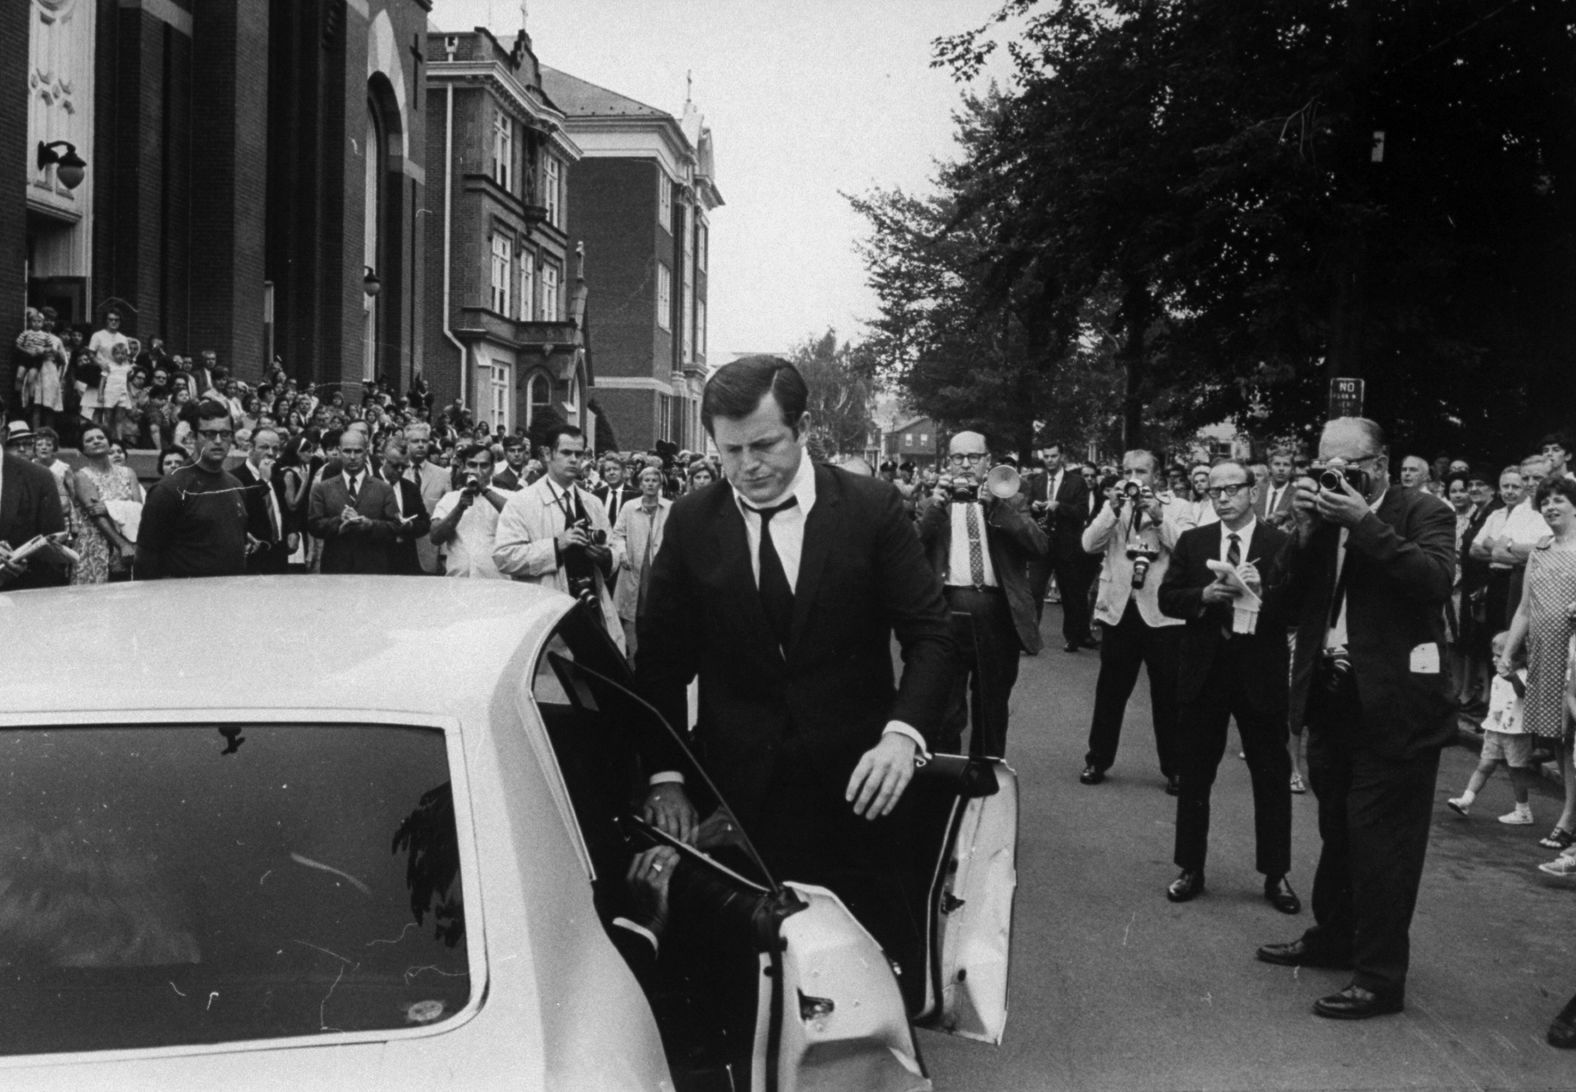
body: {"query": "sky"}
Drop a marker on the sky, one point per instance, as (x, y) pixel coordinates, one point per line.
(806, 99)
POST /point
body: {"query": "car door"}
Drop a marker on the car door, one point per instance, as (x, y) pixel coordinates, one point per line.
(967, 813)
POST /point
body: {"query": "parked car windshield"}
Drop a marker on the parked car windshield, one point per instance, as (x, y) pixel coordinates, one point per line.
(200, 883)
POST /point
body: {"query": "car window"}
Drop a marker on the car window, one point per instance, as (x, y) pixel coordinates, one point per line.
(180, 884)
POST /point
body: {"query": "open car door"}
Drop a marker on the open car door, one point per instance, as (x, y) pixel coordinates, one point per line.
(968, 812)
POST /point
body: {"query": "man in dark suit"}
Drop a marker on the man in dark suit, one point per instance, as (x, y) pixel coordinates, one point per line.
(1272, 502)
(1061, 503)
(980, 547)
(270, 528)
(414, 523)
(781, 593)
(353, 512)
(512, 476)
(1369, 573)
(615, 492)
(29, 506)
(1231, 665)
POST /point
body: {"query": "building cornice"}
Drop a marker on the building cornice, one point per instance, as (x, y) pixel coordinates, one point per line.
(492, 76)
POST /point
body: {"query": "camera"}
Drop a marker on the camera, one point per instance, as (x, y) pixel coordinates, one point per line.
(965, 490)
(1142, 558)
(595, 536)
(1331, 477)
(1334, 670)
(473, 484)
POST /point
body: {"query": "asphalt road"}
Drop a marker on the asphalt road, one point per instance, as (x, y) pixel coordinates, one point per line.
(1115, 988)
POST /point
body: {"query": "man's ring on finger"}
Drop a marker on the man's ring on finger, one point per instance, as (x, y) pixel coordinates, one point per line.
(657, 866)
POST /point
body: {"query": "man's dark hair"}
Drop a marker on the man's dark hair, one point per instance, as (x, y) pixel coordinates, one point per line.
(331, 438)
(1562, 437)
(738, 388)
(1565, 487)
(554, 433)
(470, 451)
(209, 410)
(514, 439)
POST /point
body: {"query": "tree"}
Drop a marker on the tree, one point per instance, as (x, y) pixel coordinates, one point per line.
(840, 378)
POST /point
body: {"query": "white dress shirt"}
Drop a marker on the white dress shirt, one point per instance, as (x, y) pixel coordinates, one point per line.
(959, 568)
(469, 552)
(787, 525)
(1336, 636)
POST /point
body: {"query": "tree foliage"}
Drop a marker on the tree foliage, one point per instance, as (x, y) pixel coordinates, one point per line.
(841, 382)
(1182, 212)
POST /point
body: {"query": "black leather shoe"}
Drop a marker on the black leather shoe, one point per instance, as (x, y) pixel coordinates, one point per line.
(1562, 1032)
(1071, 646)
(1280, 895)
(1092, 775)
(1187, 886)
(1299, 953)
(1173, 785)
(1090, 642)
(1356, 1003)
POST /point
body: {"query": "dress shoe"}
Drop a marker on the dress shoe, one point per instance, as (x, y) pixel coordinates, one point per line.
(1173, 785)
(1092, 775)
(1356, 1003)
(1071, 646)
(1278, 893)
(1299, 953)
(1562, 1032)
(1187, 886)
(1090, 642)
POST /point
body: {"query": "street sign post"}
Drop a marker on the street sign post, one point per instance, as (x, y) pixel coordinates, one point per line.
(1346, 397)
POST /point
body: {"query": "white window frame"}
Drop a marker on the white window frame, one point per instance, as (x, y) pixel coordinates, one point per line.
(664, 296)
(551, 191)
(495, 394)
(527, 285)
(531, 401)
(664, 199)
(700, 329)
(503, 149)
(550, 308)
(702, 241)
(502, 272)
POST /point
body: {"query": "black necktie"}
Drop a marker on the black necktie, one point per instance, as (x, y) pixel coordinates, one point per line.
(1234, 551)
(350, 487)
(776, 592)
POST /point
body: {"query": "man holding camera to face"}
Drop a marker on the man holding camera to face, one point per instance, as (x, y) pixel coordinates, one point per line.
(1369, 571)
(554, 533)
(1135, 532)
(462, 528)
(980, 543)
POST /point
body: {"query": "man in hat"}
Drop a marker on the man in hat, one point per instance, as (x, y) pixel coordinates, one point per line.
(29, 506)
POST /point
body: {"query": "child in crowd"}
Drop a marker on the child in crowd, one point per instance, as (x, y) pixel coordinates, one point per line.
(1504, 740)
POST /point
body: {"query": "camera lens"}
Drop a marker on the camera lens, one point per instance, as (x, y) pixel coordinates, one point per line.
(1330, 479)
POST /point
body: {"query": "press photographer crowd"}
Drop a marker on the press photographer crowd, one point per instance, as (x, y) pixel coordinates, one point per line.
(1349, 606)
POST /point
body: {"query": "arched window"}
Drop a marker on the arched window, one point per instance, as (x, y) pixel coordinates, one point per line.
(538, 396)
(376, 156)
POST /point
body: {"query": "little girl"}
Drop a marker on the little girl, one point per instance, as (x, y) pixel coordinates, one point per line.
(1504, 740)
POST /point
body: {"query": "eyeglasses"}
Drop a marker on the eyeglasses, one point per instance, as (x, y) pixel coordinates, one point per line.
(215, 434)
(1226, 492)
(969, 456)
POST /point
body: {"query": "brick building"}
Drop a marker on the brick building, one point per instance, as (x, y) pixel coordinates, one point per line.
(507, 315)
(248, 164)
(643, 194)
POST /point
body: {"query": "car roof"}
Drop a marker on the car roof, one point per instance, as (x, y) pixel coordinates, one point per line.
(423, 645)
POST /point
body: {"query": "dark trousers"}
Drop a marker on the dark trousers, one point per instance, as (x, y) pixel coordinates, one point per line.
(1039, 570)
(1201, 744)
(987, 658)
(1073, 577)
(1374, 817)
(1127, 646)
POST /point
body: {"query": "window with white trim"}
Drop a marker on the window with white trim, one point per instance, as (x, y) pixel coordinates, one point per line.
(503, 149)
(551, 192)
(664, 199)
(527, 285)
(538, 396)
(700, 329)
(549, 292)
(664, 296)
(502, 271)
(702, 240)
(687, 295)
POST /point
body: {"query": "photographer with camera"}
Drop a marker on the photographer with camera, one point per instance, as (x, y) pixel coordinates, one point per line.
(1135, 531)
(1369, 571)
(980, 544)
(554, 533)
(464, 530)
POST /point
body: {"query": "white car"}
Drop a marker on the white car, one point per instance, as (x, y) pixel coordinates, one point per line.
(362, 832)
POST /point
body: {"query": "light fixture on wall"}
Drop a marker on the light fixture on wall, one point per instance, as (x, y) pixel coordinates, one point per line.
(370, 282)
(71, 168)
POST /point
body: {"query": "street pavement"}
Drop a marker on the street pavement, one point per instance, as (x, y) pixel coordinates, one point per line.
(1115, 988)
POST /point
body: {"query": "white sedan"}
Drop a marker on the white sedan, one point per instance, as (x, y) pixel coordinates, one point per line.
(366, 832)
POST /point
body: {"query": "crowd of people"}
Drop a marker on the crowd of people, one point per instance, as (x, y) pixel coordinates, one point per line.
(1315, 599)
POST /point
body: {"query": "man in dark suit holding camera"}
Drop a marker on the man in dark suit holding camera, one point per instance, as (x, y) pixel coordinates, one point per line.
(1060, 501)
(1233, 663)
(1370, 570)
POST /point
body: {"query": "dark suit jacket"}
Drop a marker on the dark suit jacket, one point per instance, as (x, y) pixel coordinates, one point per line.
(1264, 653)
(1013, 539)
(359, 547)
(274, 555)
(1282, 516)
(404, 559)
(1401, 562)
(615, 499)
(29, 506)
(508, 479)
(862, 576)
(1064, 527)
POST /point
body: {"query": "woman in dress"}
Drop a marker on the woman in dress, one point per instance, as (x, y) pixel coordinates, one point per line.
(103, 488)
(43, 359)
(295, 463)
(1544, 624)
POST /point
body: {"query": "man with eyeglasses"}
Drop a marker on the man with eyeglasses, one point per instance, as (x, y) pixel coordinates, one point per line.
(194, 520)
(554, 533)
(981, 546)
(1231, 665)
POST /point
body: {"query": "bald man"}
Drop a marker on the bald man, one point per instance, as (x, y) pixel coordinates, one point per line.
(981, 545)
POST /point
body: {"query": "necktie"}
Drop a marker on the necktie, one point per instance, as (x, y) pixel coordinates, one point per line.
(350, 487)
(776, 593)
(1234, 551)
(976, 548)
